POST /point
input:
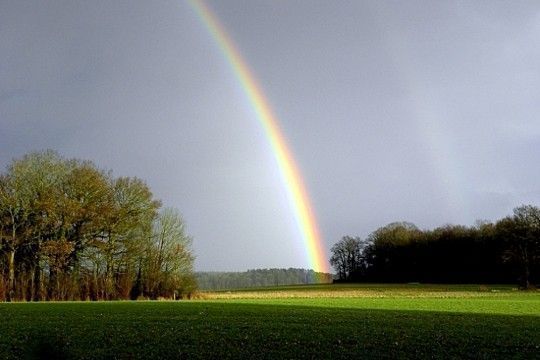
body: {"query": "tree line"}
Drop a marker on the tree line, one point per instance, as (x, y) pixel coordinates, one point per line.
(259, 277)
(71, 231)
(507, 251)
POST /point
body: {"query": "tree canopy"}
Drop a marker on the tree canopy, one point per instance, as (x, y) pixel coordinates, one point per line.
(503, 252)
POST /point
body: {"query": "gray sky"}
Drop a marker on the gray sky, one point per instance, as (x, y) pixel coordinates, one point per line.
(425, 111)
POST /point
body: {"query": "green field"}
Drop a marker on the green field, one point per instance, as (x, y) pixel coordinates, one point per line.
(324, 321)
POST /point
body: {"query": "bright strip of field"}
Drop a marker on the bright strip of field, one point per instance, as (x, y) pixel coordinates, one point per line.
(498, 299)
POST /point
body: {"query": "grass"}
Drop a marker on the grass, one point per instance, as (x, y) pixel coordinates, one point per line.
(339, 321)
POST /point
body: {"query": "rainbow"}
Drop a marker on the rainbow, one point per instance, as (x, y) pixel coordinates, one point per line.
(296, 190)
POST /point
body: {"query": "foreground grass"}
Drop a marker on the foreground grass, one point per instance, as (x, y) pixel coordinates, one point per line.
(483, 324)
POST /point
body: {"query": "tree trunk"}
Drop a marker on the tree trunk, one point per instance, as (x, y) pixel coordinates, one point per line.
(50, 286)
(109, 281)
(109, 269)
(525, 266)
(11, 275)
(95, 286)
(37, 283)
(526, 275)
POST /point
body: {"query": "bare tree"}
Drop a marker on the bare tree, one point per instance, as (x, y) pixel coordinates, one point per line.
(170, 257)
(521, 234)
(347, 257)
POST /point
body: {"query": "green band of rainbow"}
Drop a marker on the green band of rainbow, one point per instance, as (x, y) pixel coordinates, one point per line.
(290, 173)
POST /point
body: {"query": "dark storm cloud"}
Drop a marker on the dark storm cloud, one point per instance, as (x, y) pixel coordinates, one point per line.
(420, 111)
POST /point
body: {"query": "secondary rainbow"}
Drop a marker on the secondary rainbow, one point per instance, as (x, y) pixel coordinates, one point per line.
(291, 175)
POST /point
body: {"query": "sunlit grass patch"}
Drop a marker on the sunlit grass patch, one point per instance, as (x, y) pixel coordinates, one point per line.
(366, 291)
